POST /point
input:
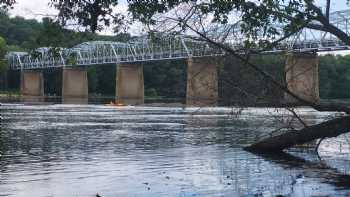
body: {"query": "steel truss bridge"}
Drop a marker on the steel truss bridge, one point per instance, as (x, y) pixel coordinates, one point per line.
(169, 47)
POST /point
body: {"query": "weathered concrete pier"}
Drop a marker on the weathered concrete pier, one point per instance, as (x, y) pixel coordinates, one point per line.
(130, 84)
(74, 85)
(32, 85)
(302, 76)
(202, 82)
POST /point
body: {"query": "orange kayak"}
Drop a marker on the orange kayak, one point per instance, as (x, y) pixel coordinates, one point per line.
(115, 104)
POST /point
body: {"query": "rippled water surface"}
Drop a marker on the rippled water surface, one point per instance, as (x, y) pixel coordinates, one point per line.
(72, 150)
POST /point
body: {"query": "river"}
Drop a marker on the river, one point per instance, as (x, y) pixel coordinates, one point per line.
(84, 150)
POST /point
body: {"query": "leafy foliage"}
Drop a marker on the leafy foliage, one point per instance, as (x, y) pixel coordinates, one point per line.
(18, 31)
(257, 17)
(3, 51)
(334, 76)
(7, 3)
(24, 34)
(94, 14)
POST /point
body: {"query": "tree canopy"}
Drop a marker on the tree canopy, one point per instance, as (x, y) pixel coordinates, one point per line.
(94, 14)
(3, 51)
(7, 3)
(26, 34)
(274, 19)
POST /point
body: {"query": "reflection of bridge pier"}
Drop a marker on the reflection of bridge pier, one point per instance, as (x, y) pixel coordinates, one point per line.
(74, 85)
(32, 85)
(302, 76)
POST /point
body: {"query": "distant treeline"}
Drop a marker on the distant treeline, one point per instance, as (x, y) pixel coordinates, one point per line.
(334, 75)
(24, 34)
(165, 79)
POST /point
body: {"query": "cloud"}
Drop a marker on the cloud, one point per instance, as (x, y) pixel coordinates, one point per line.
(33, 9)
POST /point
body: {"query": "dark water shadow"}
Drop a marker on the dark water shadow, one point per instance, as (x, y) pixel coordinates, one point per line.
(309, 169)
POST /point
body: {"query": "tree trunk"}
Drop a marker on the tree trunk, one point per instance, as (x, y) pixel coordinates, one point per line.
(331, 128)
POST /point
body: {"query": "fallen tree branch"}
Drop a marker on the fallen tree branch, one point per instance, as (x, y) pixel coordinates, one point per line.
(328, 129)
(298, 117)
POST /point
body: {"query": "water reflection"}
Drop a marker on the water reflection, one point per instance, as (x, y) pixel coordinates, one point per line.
(77, 100)
(306, 170)
(32, 99)
(81, 150)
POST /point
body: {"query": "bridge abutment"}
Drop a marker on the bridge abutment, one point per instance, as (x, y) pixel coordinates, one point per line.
(202, 82)
(32, 85)
(75, 85)
(130, 84)
(302, 77)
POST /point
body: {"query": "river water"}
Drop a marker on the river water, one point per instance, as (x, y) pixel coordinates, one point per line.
(84, 150)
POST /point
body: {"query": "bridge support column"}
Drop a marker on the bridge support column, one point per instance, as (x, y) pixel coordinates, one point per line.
(130, 84)
(75, 85)
(202, 82)
(32, 85)
(302, 77)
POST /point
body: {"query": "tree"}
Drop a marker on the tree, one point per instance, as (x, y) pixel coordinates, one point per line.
(3, 51)
(94, 14)
(3, 64)
(17, 30)
(7, 3)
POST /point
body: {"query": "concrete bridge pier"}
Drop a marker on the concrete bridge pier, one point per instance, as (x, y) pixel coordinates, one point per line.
(202, 82)
(302, 77)
(75, 86)
(32, 85)
(130, 84)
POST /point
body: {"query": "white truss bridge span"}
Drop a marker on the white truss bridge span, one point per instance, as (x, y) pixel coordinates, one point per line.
(170, 47)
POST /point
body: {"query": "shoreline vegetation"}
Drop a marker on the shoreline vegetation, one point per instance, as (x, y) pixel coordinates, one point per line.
(9, 94)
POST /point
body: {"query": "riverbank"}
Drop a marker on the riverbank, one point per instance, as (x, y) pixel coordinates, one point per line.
(15, 97)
